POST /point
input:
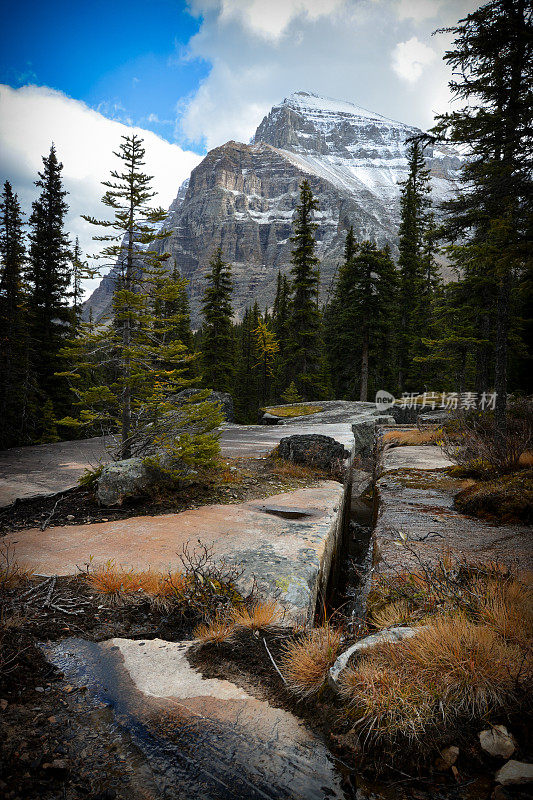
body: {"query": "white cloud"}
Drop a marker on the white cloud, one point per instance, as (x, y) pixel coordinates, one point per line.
(410, 58)
(418, 10)
(270, 19)
(34, 116)
(343, 53)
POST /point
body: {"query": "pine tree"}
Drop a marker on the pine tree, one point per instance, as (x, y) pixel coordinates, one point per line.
(80, 271)
(415, 265)
(217, 344)
(140, 357)
(303, 352)
(49, 276)
(246, 389)
(341, 327)
(280, 327)
(267, 348)
(15, 394)
(492, 62)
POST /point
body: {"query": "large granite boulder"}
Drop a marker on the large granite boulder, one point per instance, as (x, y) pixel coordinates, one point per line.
(224, 400)
(136, 477)
(121, 479)
(313, 450)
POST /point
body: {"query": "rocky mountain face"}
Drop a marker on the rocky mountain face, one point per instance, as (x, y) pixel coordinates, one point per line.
(242, 197)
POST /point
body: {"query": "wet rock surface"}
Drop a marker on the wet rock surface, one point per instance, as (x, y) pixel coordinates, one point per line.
(417, 499)
(201, 738)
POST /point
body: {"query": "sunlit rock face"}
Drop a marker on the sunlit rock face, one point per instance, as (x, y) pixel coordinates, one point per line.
(242, 197)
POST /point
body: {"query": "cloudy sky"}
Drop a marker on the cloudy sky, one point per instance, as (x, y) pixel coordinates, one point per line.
(192, 75)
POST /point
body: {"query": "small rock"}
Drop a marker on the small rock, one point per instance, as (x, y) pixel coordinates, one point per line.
(3, 704)
(39, 689)
(497, 742)
(70, 517)
(515, 772)
(447, 758)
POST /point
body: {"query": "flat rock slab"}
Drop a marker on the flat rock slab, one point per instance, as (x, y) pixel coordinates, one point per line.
(289, 551)
(333, 412)
(417, 498)
(46, 469)
(201, 738)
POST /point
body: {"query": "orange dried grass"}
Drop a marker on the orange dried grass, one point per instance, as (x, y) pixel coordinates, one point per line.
(215, 632)
(260, 615)
(451, 668)
(119, 584)
(305, 661)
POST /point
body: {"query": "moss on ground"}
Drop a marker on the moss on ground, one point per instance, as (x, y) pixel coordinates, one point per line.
(509, 498)
(293, 411)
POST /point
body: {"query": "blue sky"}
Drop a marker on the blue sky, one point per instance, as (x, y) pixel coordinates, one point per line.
(125, 59)
(189, 75)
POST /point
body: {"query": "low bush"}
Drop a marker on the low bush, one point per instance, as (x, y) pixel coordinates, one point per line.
(204, 588)
(294, 411)
(306, 660)
(471, 439)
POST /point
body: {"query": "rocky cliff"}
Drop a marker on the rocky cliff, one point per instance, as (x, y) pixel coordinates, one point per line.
(242, 197)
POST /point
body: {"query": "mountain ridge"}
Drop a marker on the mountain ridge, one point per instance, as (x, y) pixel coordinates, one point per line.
(242, 197)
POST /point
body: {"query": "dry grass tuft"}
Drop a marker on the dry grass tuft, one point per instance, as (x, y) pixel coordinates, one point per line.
(305, 661)
(411, 437)
(291, 471)
(120, 585)
(452, 669)
(260, 615)
(12, 574)
(399, 612)
(216, 632)
(507, 607)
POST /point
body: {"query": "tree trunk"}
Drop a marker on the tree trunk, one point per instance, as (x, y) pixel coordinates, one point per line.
(500, 360)
(364, 366)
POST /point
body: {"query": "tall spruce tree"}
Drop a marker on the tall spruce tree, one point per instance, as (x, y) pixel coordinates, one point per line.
(15, 389)
(49, 276)
(246, 389)
(342, 332)
(492, 63)
(217, 341)
(80, 271)
(280, 327)
(141, 349)
(415, 264)
(303, 351)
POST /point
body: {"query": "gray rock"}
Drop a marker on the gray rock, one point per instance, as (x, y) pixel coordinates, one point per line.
(269, 419)
(224, 399)
(134, 477)
(364, 434)
(515, 772)
(313, 450)
(122, 479)
(389, 635)
(497, 742)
